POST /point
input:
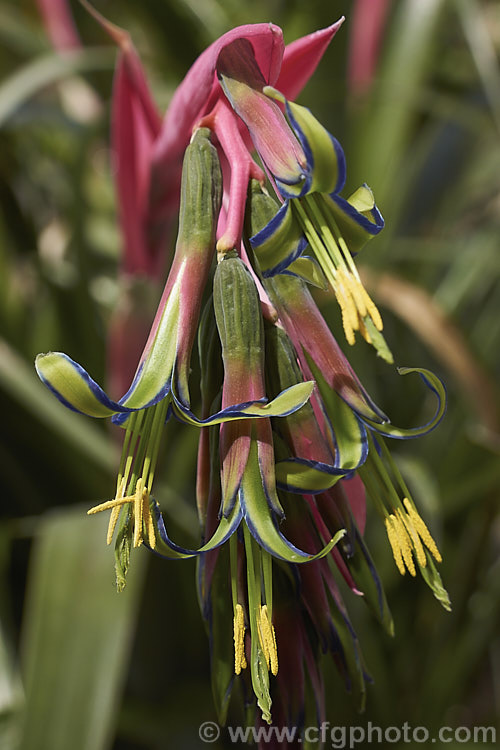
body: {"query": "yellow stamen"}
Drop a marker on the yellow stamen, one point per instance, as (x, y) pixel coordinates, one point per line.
(148, 522)
(422, 530)
(109, 504)
(115, 507)
(405, 545)
(393, 540)
(401, 544)
(140, 500)
(138, 506)
(268, 640)
(346, 321)
(417, 544)
(356, 289)
(347, 306)
(372, 309)
(113, 520)
(240, 661)
(356, 305)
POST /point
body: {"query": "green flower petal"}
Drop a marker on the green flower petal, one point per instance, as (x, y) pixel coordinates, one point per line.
(167, 548)
(73, 386)
(309, 271)
(155, 371)
(261, 523)
(357, 218)
(296, 476)
(435, 384)
(325, 157)
(349, 433)
(286, 403)
(277, 238)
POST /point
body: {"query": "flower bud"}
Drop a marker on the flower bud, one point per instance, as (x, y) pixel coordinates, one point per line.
(238, 316)
(201, 191)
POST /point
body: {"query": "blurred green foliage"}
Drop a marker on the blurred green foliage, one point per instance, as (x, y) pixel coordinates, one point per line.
(81, 666)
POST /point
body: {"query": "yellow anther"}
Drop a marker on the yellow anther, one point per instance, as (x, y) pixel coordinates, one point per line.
(400, 541)
(364, 303)
(113, 520)
(417, 544)
(347, 305)
(346, 320)
(267, 638)
(393, 540)
(148, 522)
(356, 305)
(138, 514)
(140, 500)
(240, 661)
(356, 289)
(422, 530)
(114, 506)
(405, 545)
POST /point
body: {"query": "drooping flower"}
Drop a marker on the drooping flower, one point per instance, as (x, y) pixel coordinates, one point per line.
(246, 494)
(279, 493)
(245, 445)
(343, 432)
(161, 380)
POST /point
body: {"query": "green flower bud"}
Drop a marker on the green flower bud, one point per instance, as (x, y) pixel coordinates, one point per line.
(238, 313)
(201, 192)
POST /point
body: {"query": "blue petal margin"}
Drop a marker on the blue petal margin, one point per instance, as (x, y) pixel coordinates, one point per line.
(319, 466)
(372, 227)
(266, 232)
(339, 153)
(408, 433)
(185, 550)
(94, 387)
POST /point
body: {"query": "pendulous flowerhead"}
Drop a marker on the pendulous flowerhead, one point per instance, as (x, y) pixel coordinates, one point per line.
(290, 442)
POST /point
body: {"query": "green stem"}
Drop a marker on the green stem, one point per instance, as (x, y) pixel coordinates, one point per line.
(383, 473)
(395, 469)
(233, 563)
(154, 441)
(315, 242)
(267, 569)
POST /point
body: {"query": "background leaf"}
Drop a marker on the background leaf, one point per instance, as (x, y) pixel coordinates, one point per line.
(77, 635)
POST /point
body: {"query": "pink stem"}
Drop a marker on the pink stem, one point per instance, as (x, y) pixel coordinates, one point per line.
(243, 168)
